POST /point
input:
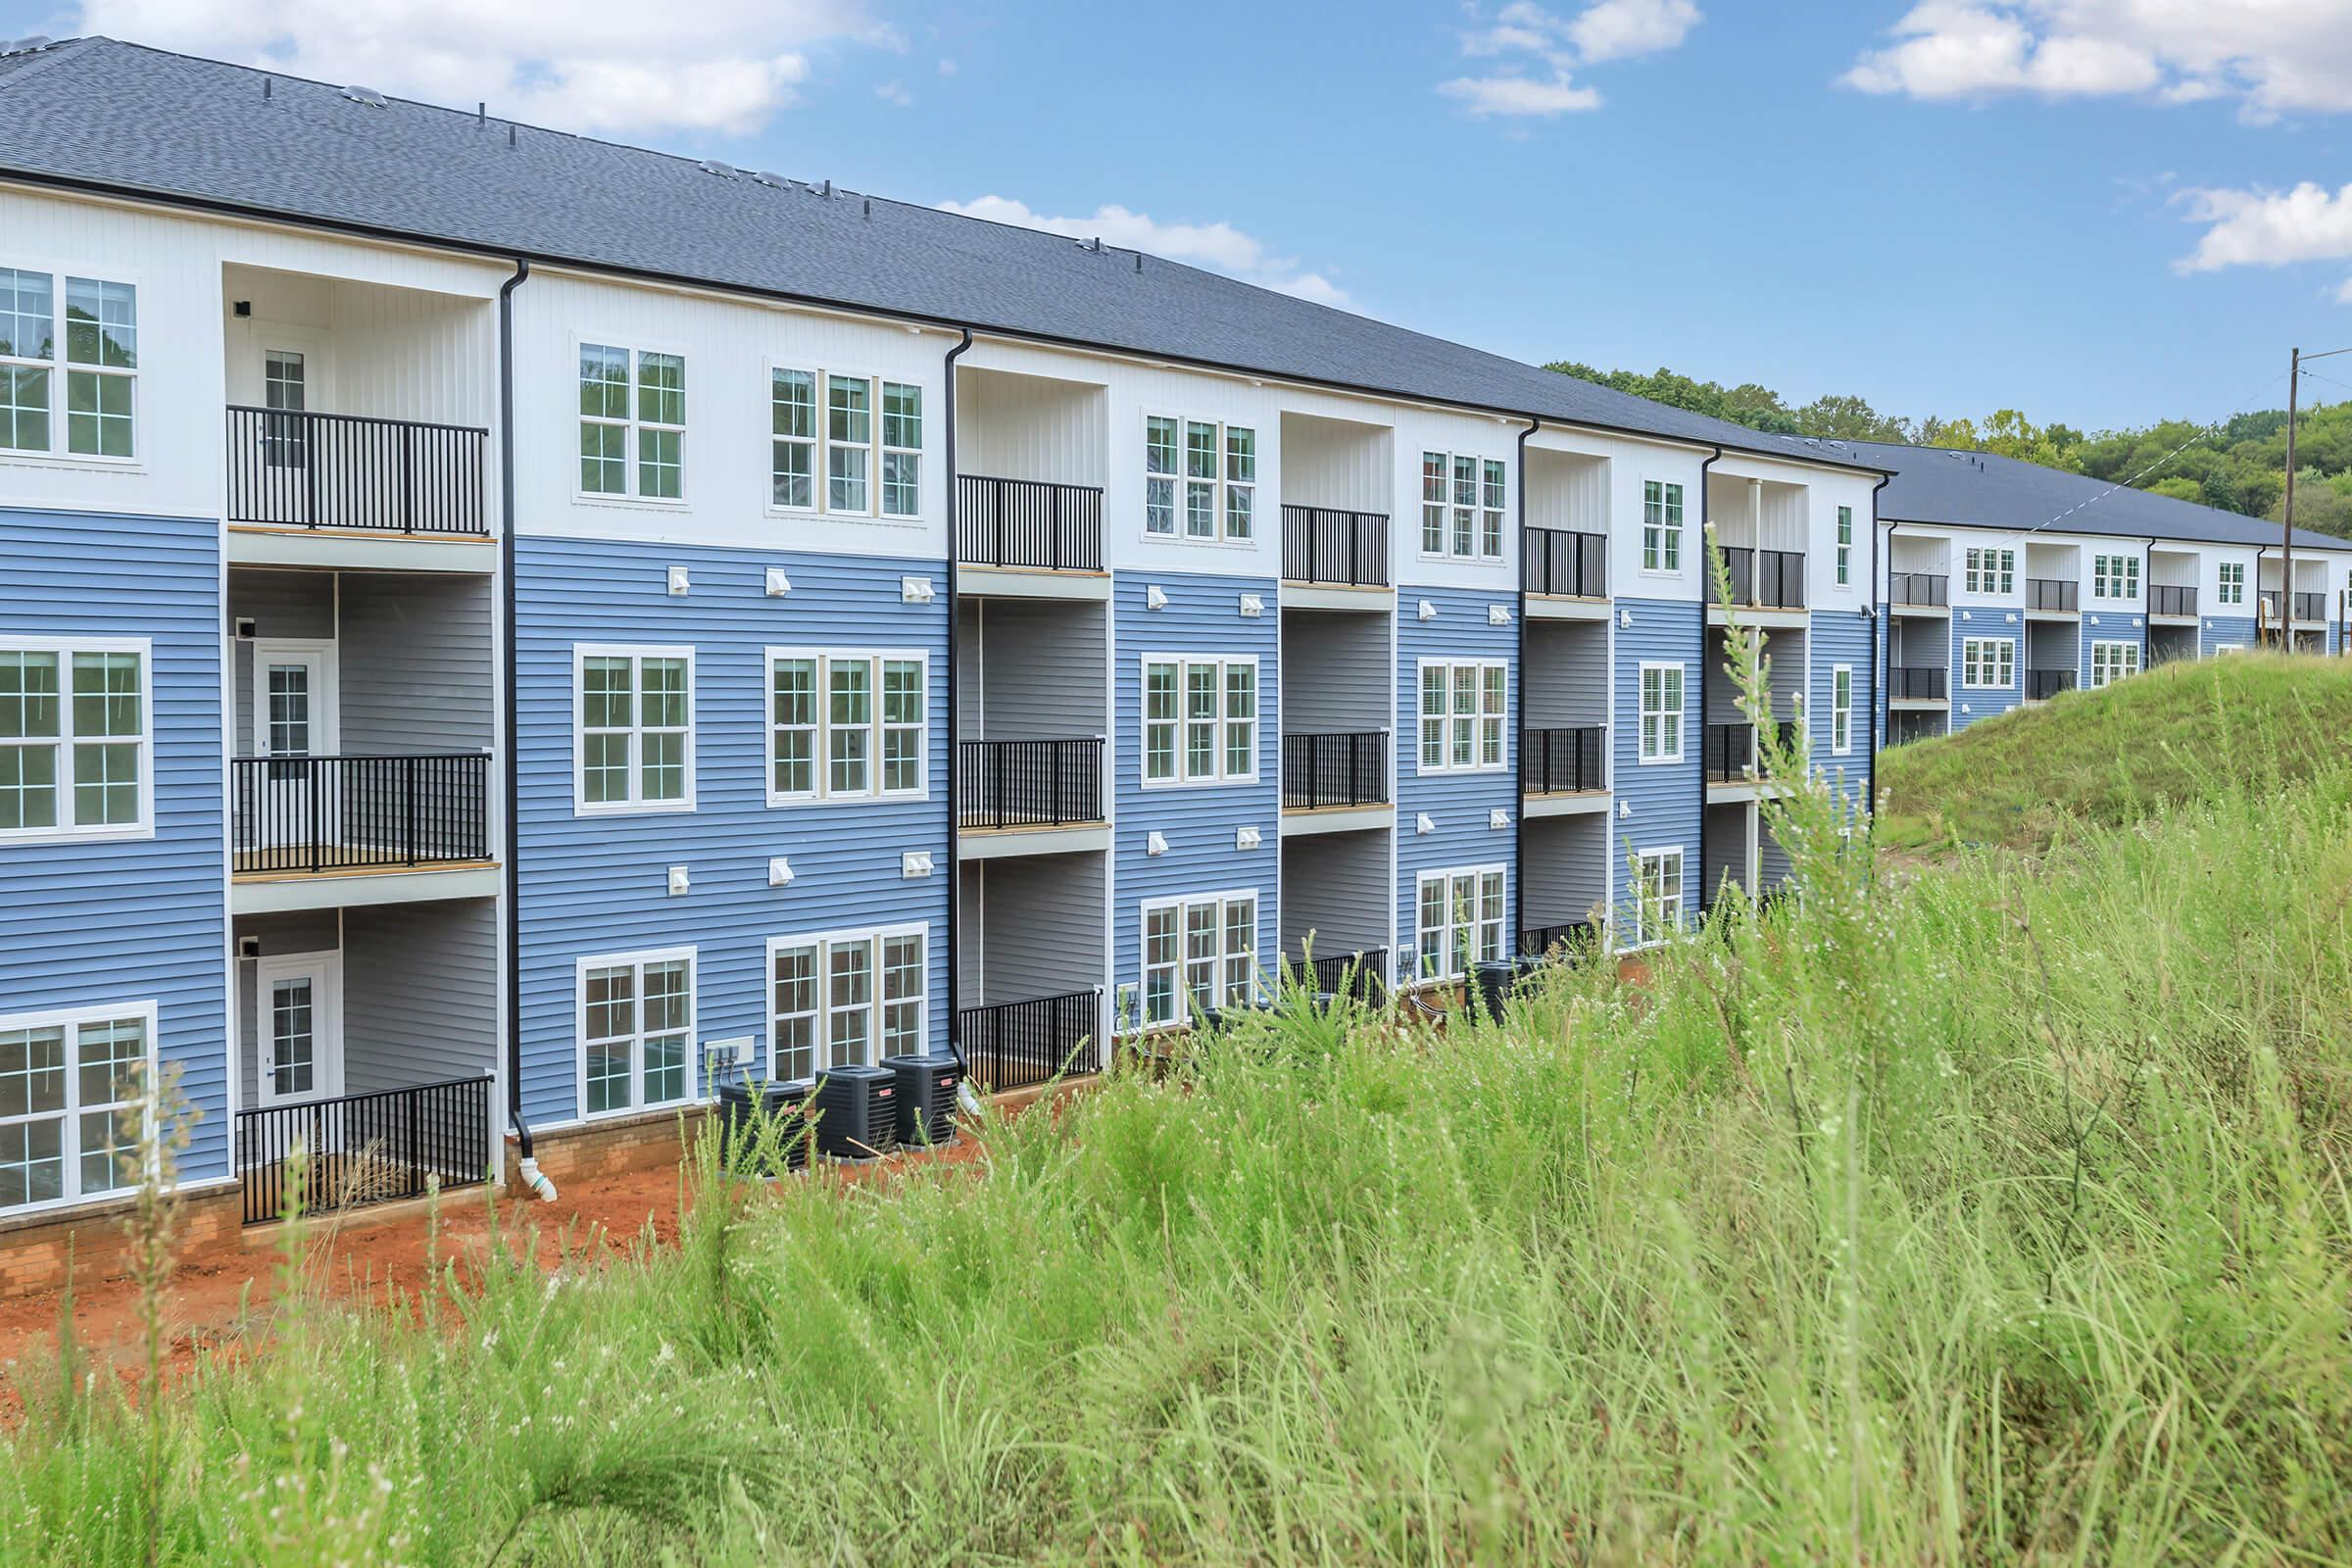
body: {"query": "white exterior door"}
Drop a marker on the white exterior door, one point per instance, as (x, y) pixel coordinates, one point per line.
(293, 722)
(298, 1030)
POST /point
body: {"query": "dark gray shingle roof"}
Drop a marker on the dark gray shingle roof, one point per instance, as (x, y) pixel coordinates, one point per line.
(119, 115)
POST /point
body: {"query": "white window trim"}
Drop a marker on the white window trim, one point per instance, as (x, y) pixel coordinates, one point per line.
(1643, 936)
(1183, 997)
(1843, 539)
(1221, 540)
(59, 455)
(636, 961)
(1477, 557)
(1445, 876)
(65, 648)
(820, 491)
(2227, 591)
(822, 777)
(1842, 717)
(2112, 571)
(70, 1019)
(2124, 646)
(821, 1039)
(1478, 716)
(1680, 529)
(637, 653)
(633, 348)
(1989, 571)
(1978, 659)
(1682, 739)
(1224, 721)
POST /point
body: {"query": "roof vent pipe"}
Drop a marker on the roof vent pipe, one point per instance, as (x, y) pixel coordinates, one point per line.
(267, 84)
(481, 115)
(869, 209)
(1139, 261)
(509, 133)
(828, 193)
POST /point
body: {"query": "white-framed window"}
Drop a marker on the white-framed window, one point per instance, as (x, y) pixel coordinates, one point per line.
(1459, 920)
(1846, 546)
(2115, 576)
(1198, 953)
(632, 424)
(847, 724)
(1988, 663)
(636, 1031)
(847, 998)
(632, 729)
(1661, 526)
(1200, 479)
(2231, 588)
(76, 738)
(2112, 661)
(1463, 504)
(1989, 571)
(1463, 703)
(1657, 895)
(94, 361)
(842, 444)
(1841, 708)
(1661, 712)
(70, 1109)
(1200, 719)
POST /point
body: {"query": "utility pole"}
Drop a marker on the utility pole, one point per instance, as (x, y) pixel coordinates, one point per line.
(2287, 528)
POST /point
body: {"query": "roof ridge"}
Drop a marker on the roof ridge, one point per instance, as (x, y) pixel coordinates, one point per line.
(51, 54)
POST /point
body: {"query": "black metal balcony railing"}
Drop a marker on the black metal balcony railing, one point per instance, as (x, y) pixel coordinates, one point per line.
(1564, 761)
(1928, 682)
(344, 470)
(1564, 561)
(2043, 684)
(1765, 580)
(1054, 783)
(1932, 590)
(2311, 606)
(1324, 544)
(2053, 593)
(1343, 769)
(331, 814)
(2170, 598)
(1361, 975)
(1028, 523)
(1544, 941)
(1018, 1045)
(365, 1148)
(1731, 750)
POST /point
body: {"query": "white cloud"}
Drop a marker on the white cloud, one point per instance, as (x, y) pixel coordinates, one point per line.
(2276, 56)
(948, 67)
(724, 67)
(1220, 247)
(894, 92)
(2270, 229)
(1539, 52)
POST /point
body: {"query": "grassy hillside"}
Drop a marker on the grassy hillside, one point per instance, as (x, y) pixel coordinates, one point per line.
(2000, 1216)
(2181, 732)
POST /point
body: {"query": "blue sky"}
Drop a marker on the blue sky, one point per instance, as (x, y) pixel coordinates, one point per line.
(2086, 208)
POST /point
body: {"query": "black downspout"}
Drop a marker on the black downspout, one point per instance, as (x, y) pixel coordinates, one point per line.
(1881, 624)
(2147, 609)
(1518, 942)
(1706, 597)
(507, 725)
(954, 813)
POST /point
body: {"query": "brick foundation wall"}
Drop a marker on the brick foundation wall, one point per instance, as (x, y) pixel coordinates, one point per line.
(650, 1142)
(35, 1249)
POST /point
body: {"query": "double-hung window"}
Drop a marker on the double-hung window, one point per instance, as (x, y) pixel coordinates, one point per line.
(1990, 572)
(1846, 546)
(1200, 719)
(96, 361)
(636, 1031)
(1463, 702)
(1459, 920)
(634, 730)
(632, 424)
(844, 445)
(75, 728)
(845, 999)
(1661, 712)
(69, 1107)
(1661, 526)
(1198, 953)
(2112, 661)
(2115, 576)
(1988, 663)
(1200, 479)
(2231, 584)
(1657, 895)
(1841, 708)
(1462, 502)
(846, 724)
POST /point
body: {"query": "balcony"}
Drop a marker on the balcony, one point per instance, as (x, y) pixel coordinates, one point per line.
(1016, 784)
(1564, 563)
(2060, 595)
(1564, 761)
(2043, 684)
(1730, 750)
(1919, 590)
(2311, 606)
(1765, 580)
(1565, 939)
(1326, 545)
(1028, 525)
(364, 1149)
(346, 472)
(2169, 598)
(1019, 1045)
(1924, 683)
(305, 815)
(1360, 975)
(1320, 771)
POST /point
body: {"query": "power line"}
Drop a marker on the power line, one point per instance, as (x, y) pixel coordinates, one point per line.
(2207, 433)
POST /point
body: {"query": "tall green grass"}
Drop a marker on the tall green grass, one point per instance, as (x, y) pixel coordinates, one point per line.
(1999, 1216)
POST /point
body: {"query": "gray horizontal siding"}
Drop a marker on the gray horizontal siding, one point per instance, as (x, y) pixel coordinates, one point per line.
(418, 670)
(420, 993)
(1031, 669)
(1567, 868)
(1332, 886)
(1335, 668)
(1567, 674)
(1035, 924)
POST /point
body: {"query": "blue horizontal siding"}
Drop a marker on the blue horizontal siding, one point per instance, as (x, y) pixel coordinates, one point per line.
(2225, 631)
(599, 884)
(2110, 627)
(135, 919)
(1459, 805)
(1661, 803)
(1970, 705)
(1834, 640)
